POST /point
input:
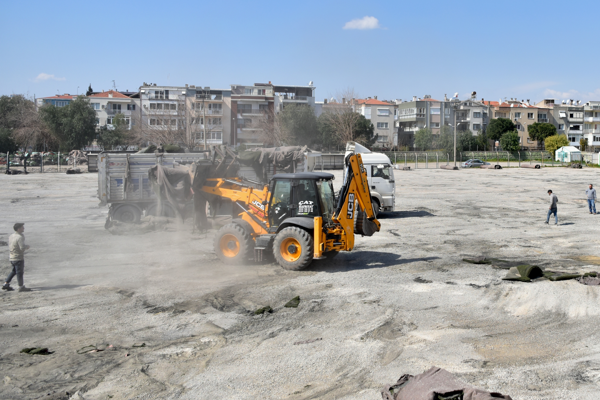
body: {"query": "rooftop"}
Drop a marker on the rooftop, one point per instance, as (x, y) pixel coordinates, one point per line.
(110, 93)
(372, 102)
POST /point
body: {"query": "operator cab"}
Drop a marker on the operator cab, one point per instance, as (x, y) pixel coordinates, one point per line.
(301, 195)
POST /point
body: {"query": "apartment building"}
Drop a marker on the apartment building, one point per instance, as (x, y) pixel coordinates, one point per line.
(60, 100)
(523, 114)
(108, 104)
(251, 106)
(468, 114)
(299, 95)
(591, 123)
(568, 117)
(381, 114)
(163, 112)
(209, 113)
(416, 114)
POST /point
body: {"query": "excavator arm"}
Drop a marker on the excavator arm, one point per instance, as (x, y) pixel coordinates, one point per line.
(354, 191)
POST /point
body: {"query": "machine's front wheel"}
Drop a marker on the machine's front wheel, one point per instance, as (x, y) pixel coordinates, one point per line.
(293, 248)
(233, 245)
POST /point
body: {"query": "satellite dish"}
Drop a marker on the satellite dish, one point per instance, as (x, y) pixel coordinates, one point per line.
(310, 83)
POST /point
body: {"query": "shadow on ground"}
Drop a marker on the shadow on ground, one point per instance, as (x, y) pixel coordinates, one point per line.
(359, 260)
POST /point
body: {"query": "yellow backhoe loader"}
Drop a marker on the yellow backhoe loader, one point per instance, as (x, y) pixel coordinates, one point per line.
(296, 217)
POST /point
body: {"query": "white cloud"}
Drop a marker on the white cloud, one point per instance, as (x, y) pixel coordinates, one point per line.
(46, 77)
(363, 23)
(572, 94)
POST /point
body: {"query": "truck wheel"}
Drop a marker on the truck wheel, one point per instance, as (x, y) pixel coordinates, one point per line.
(128, 214)
(293, 248)
(233, 244)
(375, 205)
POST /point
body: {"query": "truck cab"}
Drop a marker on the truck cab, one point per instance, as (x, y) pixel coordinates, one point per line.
(380, 175)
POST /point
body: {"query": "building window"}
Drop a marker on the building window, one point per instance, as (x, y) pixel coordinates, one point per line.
(477, 114)
(421, 111)
(260, 92)
(485, 115)
(561, 127)
(382, 138)
(596, 138)
(116, 107)
(248, 91)
(244, 108)
(61, 103)
(383, 112)
(529, 115)
(131, 107)
(382, 125)
(575, 128)
(173, 106)
(434, 111)
(152, 121)
(216, 121)
(572, 139)
(476, 127)
(96, 106)
(517, 115)
(519, 127)
(435, 124)
(542, 116)
(447, 111)
(109, 120)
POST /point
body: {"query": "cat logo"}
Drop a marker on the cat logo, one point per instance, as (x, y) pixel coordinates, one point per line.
(351, 206)
(305, 207)
(258, 204)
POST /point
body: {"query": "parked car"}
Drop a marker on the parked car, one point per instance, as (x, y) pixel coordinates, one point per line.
(474, 163)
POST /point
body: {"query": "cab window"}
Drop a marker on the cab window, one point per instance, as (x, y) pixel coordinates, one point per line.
(279, 207)
(380, 172)
(306, 199)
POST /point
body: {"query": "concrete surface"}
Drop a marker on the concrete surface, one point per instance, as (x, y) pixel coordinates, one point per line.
(401, 302)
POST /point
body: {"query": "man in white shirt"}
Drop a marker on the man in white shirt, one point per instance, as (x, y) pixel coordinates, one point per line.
(17, 247)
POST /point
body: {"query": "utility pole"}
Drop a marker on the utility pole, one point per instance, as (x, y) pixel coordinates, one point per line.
(204, 116)
(455, 127)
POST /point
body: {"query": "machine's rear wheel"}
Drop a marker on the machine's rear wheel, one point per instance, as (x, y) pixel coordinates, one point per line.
(293, 248)
(233, 244)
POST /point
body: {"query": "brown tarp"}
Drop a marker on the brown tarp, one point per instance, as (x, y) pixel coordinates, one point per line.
(435, 384)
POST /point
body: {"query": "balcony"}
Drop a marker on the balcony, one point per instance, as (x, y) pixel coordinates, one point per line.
(209, 112)
(591, 119)
(543, 120)
(590, 131)
(111, 111)
(255, 112)
(294, 98)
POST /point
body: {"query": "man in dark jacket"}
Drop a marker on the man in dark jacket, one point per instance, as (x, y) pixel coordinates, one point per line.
(553, 207)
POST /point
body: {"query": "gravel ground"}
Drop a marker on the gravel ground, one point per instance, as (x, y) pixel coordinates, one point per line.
(401, 302)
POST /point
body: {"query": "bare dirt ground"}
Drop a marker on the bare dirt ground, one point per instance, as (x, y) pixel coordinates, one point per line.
(401, 302)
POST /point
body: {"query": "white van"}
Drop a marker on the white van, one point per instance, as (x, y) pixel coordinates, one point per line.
(380, 174)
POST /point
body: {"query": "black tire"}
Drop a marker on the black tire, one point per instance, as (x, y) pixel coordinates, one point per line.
(233, 245)
(293, 248)
(375, 205)
(127, 213)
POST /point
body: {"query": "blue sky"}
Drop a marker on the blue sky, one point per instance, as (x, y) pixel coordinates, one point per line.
(523, 49)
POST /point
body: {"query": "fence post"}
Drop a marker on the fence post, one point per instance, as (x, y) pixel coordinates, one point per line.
(405, 159)
(437, 160)
(42, 164)
(542, 153)
(416, 161)
(447, 158)
(508, 159)
(395, 154)
(520, 158)
(426, 161)
(59, 161)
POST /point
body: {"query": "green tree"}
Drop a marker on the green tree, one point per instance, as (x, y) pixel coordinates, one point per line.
(364, 132)
(73, 125)
(7, 143)
(482, 141)
(540, 131)
(466, 141)
(299, 123)
(555, 142)
(115, 136)
(510, 141)
(498, 127)
(19, 115)
(583, 144)
(423, 139)
(90, 90)
(445, 140)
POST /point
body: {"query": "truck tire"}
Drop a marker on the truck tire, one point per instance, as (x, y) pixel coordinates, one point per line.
(293, 248)
(375, 204)
(127, 213)
(233, 245)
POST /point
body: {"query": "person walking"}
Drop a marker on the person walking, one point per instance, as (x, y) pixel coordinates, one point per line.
(17, 247)
(553, 207)
(591, 198)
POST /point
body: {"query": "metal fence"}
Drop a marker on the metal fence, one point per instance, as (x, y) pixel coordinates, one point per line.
(49, 162)
(436, 159)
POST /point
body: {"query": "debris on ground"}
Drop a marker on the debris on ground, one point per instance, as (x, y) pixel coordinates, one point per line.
(3, 243)
(589, 280)
(293, 303)
(263, 310)
(524, 273)
(43, 351)
(418, 279)
(79, 157)
(13, 172)
(139, 345)
(73, 171)
(308, 341)
(94, 349)
(435, 384)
